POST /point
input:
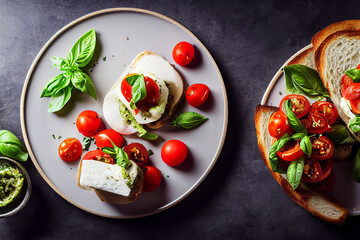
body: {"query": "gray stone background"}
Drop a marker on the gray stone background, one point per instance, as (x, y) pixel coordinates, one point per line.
(249, 40)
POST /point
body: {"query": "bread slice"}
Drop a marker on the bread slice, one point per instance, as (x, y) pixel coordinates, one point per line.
(305, 58)
(321, 206)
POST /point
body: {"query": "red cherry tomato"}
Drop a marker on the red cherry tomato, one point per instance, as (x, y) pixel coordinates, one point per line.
(278, 124)
(152, 178)
(197, 94)
(326, 184)
(322, 148)
(326, 108)
(98, 155)
(88, 123)
(70, 149)
(355, 105)
(174, 152)
(102, 138)
(183, 53)
(326, 167)
(312, 171)
(291, 151)
(137, 152)
(317, 123)
(152, 93)
(345, 82)
(300, 104)
(352, 91)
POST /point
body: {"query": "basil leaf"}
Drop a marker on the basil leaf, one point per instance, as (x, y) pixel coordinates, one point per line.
(354, 124)
(138, 91)
(121, 157)
(294, 121)
(297, 136)
(54, 85)
(132, 79)
(279, 144)
(59, 100)
(87, 143)
(11, 146)
(340, 134)
(83, 50)
(189, 120)
(108, 150)
(294, 172)
(306, 146)
(82, 81)
(354, 74)
(149, 136)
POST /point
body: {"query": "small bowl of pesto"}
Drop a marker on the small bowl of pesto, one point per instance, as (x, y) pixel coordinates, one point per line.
(15, 187)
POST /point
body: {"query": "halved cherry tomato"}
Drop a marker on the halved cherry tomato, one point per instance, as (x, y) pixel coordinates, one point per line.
(312, 171)
(326, 184)
(345, 82)
(300, 104)
(326, 167)
(355, 105)
(98, 155)
(137, 152)
(197, 94)
(278, 124)
(152, 178)
(317, 123)
(352, 91)
(174, 152)
(327, 109)
(88, 123)
(291, 151)
(183, 53)
(322, 148)
(70, 149)
(102, 138)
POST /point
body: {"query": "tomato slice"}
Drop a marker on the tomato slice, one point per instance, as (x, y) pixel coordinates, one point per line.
(355, 105)
(312, 171)
(300, 104)
(98, 155)
(137, 152)
(318, 123)
(278, 124)
(345, 82)
(326, 167)
(70, 149)
(327, 109)
(352, 91)
(291, 151)
(322, 148)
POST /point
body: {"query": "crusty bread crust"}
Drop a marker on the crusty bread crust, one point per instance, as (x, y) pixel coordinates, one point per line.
(321, 206)
(305, 58)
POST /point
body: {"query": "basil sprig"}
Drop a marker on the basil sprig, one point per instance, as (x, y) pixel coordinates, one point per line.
(340, 134)
(59, 87)
(354, 124)
(277, 146)
(294, 172)
(189, 120)
(121, 157)
(294, 121)
(10, 146)
(138, 89)
(304, 80)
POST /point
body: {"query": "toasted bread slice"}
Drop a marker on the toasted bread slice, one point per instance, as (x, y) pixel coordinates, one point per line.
(321, 206)
(305, 58)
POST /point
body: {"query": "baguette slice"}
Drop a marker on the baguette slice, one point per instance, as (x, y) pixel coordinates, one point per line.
(321, 206)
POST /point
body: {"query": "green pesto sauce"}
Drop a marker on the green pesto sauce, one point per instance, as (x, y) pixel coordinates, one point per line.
(11, 183)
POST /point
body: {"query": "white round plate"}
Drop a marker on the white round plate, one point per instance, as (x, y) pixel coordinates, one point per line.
(346, 190)
(122, 33)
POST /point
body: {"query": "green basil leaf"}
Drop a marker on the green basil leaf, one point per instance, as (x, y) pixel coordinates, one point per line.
(132, 79)
(11, 146)
(294, 121)
(122, 159)
(82, 81)
(354, 74)
(294, 172)
(83, 50)
(59, 100)
(138, 91)
(87, 143)
(297, 136)
(306, 146)
(149, 136)
(189, 120)
(54, 85)
(279, 144)
(354, 124)
(340, 134)
(109, 151)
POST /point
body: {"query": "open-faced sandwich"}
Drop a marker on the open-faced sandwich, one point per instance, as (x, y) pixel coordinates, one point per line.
(146, 94)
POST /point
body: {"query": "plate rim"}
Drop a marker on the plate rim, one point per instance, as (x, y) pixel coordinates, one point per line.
(40, 54)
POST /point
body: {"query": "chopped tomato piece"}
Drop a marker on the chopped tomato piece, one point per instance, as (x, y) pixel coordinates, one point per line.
(318, 123)
(312, 171)
(291, 151)
(300, 104)
(326, 108)
(322, 148)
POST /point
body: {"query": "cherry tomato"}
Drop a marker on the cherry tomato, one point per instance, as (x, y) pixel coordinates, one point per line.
(312, 171)
(300, 104)
(326, 184)
(152, 93)
(317, 123)
(152, 178)
(174, 152)
(183, 53)
(102, 138)
(70, 149)
(322, 148)
(326, 108)
(355, 105)
(345, 82)
(278, 124)
(326, 167)
(137, 152)
(197, 94)
(291, 151)
(352, 91)
(88, 123)
(98, 155)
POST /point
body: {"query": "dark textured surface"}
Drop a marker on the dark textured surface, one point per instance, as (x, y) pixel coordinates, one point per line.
(239, 199)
